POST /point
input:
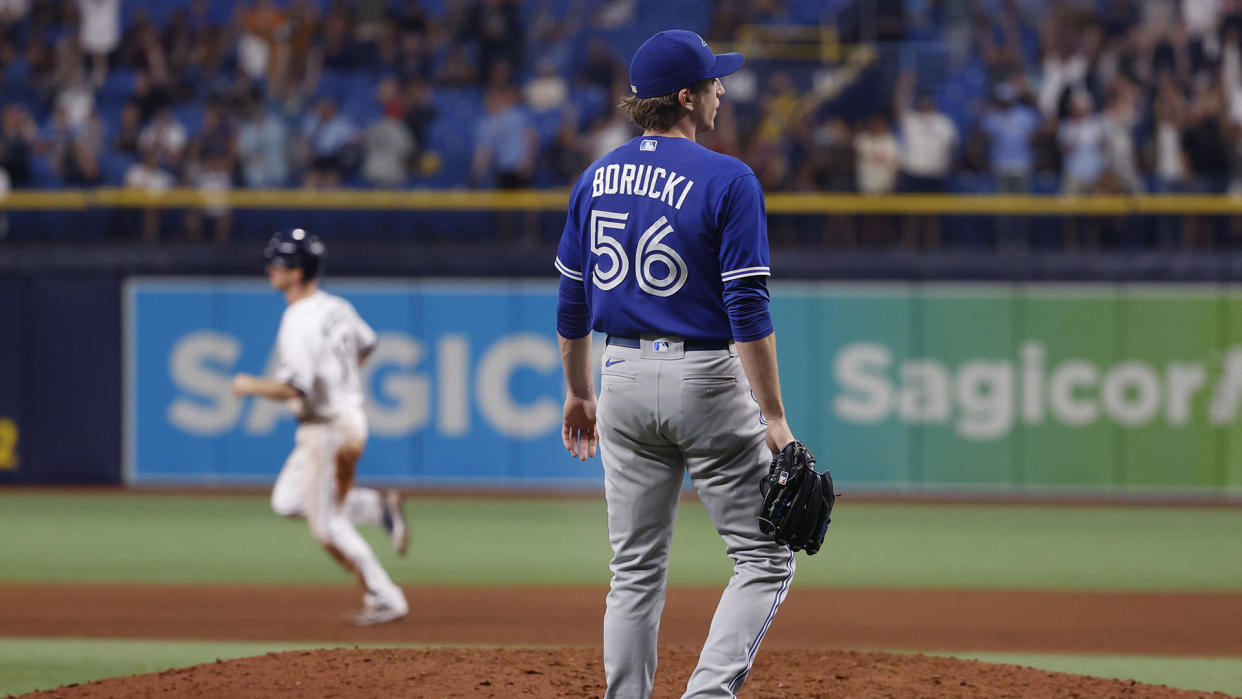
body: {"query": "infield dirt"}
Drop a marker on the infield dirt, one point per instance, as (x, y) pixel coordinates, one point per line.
(812, 633)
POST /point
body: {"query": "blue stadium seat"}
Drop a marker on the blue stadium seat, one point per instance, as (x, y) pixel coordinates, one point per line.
(190, 115)
(591, 103)
(547, 124)
(42, 174)
(117, 87)
(333, 84)
(113, 166)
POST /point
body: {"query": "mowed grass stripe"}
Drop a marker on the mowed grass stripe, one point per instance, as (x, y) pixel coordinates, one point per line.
(30, 664)
(1201, 674)
(212, 538)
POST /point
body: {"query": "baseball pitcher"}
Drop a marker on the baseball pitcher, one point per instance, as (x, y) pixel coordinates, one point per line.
(320, 345)
(665, 250)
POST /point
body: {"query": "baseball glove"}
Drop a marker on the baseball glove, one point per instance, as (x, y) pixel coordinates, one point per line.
(797, 500)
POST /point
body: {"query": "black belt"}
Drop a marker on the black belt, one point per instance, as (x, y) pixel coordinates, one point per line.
(690, 345)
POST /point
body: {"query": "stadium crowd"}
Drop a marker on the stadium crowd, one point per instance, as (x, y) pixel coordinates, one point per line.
(1072, 96)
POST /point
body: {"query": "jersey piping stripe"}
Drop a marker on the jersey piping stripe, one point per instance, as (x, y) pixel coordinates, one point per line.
(576, 276)
(776, 603)
(745, 272)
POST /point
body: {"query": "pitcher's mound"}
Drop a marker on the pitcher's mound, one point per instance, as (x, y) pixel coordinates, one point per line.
(578, 672)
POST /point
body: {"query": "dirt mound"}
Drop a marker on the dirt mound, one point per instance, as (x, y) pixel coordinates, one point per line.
(578, 672)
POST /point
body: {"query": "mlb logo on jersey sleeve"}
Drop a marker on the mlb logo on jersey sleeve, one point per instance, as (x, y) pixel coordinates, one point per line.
(647, 144)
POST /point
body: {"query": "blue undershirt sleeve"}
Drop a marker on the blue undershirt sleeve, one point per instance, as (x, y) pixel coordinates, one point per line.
(746, 302)
(572, 317)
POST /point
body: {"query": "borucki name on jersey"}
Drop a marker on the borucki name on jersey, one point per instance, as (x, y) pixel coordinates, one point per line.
(641, 181)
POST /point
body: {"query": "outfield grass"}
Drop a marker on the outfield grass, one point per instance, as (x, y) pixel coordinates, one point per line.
(29, 664)
(115, 537)
(1200, 674)
(118, 537)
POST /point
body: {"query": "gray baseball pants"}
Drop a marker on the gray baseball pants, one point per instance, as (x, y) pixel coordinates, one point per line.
(662, 412)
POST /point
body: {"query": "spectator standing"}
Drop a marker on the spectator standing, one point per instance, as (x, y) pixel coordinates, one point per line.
(167, 138)
(81, 166)
(877, 166)
(1082, 137)
(547, 91)
(129, 130)
(298, 54)
(1207, 151)
(56, 139)
(263, 149)
(506, 142)
(1170, 165)
(332, 145)
(388, 143)
(420, 110)
(147, 176)
(1204, 139)
(212, 176)
(213, 158)
(1119, 121)
(18, 135)
(506, 146)
(928, 141)
(829, 167)
(77, 98)
(99, 33)
(1065, 65)
(878, 157)
(1010, 126)
(263, 25)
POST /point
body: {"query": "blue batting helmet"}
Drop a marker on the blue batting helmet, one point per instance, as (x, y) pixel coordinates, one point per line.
(294, 247)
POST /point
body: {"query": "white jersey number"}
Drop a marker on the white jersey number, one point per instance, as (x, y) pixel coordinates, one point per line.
(605, 245)
(651, 251)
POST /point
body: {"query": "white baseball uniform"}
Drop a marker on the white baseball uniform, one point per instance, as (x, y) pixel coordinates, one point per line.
(320, 341)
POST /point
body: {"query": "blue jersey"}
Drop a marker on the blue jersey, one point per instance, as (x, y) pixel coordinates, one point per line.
(656, 230)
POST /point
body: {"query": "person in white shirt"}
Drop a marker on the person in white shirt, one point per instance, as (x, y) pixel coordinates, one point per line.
(320, 345)
(877, 154)
(928, 141)
(146, 175)
(100, 33)
(166, 136)
(876, 167)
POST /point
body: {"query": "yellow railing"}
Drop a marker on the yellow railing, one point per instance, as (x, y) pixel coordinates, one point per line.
(556, 199)
(786, 42)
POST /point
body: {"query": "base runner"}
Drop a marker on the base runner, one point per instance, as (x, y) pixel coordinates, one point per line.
(320, 345)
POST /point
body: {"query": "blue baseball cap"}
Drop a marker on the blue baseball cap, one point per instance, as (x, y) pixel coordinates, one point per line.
(674, 59)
